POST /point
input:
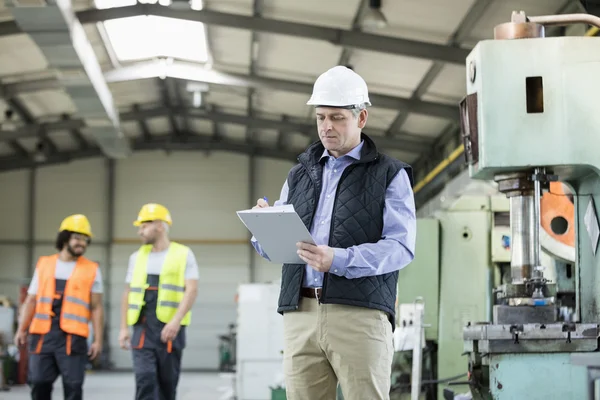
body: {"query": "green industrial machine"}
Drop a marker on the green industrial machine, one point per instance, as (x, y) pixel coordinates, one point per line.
(460, 253)
(529, 118)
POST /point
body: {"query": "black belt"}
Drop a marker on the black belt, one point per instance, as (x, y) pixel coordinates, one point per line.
(312, 293)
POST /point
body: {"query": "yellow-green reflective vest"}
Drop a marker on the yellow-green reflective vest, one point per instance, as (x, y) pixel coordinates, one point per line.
(171, 284)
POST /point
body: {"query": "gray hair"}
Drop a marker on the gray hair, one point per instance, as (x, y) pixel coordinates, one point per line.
(358, 108)
(166, 226)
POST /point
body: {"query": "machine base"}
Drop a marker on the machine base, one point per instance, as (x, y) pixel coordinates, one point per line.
(486, 339)
(528, 361)
(509, 315)
(533, 377)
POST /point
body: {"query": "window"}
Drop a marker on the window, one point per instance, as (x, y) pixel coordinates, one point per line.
(145, 37)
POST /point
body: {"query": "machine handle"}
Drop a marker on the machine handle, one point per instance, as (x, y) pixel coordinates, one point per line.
(459, 383)
(566, 19)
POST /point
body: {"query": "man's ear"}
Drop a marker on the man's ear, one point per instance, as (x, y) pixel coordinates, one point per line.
(362, 118)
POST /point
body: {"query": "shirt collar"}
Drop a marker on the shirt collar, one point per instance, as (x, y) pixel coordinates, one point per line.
(354, 153)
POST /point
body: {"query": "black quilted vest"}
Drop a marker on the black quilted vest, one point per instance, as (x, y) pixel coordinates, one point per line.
(357, 219)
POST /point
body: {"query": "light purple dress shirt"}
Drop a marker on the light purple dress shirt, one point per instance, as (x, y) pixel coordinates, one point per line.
(393, 252)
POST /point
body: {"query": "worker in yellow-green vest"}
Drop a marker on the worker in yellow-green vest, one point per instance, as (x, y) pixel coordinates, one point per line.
(162, 284)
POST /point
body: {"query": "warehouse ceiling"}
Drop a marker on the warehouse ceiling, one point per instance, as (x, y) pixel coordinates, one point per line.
(107, 77)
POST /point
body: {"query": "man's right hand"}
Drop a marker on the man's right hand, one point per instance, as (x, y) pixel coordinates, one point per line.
(21, 338)
(261, 203)
(124, 338)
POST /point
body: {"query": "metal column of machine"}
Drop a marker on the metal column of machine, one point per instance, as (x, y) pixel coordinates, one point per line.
(530, 118)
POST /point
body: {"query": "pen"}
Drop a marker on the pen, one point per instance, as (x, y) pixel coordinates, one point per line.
(265, 199)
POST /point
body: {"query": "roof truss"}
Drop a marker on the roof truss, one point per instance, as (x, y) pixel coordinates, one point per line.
(182, 137)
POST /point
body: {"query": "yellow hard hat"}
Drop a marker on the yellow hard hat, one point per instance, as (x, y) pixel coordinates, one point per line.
(153, 212)
(77, 223)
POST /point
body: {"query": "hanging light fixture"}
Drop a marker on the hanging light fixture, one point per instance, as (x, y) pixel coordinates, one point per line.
(197, 99)
(197, 89)
(374, 18)
(196, 5)
(9, 124)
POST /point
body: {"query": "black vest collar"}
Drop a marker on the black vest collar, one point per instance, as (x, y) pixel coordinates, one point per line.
(313, 153)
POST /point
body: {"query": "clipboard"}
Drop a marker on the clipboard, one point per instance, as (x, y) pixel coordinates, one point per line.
(277, 230)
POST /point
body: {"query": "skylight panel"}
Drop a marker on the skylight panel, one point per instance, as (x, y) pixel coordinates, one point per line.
(146, 37)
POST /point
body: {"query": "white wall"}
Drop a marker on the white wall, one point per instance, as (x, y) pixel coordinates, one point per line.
(202, 193)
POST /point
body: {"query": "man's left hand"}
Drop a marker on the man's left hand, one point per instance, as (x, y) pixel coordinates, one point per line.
(319, 258)
(170, 331)
(94, 350)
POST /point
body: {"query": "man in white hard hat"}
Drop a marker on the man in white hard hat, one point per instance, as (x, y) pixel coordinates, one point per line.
(162, 287)
(339, 307)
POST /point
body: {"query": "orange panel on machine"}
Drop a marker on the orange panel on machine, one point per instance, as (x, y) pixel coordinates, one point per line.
(558, 214)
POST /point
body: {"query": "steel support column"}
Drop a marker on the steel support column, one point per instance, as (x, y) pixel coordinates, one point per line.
(30, 218)
(252, 196)
(110, 219)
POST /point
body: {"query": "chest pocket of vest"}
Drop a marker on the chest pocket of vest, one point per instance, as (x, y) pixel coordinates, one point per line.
(171, 269)
(73, 286)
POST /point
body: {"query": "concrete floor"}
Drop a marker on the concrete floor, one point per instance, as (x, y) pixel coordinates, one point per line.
(120, 386)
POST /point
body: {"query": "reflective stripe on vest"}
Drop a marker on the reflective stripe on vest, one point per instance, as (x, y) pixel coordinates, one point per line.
(171, 284)
(75, 310)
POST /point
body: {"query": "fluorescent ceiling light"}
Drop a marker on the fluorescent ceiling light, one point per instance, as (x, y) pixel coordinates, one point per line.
(146, 37)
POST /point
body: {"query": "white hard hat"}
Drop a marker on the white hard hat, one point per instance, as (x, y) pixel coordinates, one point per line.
(339, 87)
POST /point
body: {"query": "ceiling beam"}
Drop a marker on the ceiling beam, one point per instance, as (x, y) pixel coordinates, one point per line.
(217, 129)
(189, 71)
(61, 38)
(257, 8)
(188, 142)
(340, 37)
(347, 52)
(465, 27)
(407, 142)
(142, 124)
(16, 107)
(45, 143)
(165, 87)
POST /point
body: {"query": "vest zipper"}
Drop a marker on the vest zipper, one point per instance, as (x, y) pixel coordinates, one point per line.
(346, 172)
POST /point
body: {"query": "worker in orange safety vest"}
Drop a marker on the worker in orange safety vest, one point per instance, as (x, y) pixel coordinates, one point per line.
(64, 295)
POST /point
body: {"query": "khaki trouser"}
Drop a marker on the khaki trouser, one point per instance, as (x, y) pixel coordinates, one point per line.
(330, 342)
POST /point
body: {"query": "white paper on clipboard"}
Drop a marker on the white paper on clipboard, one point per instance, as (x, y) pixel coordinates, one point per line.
(277, 229)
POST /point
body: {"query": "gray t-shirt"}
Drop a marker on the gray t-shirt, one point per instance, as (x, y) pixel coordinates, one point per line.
(64, 269)
(155, 263)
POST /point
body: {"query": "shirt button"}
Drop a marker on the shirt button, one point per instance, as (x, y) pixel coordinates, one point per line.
(335, 270)
(335, 170)
(322, 222)
(328, 196)
(316, 279)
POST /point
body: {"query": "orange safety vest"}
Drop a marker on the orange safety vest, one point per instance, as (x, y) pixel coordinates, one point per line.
(75, 311)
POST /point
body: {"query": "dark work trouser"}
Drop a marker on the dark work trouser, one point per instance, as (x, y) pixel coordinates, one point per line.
(156, 369)
(156, 373)
(57, 353)
(44, 369)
